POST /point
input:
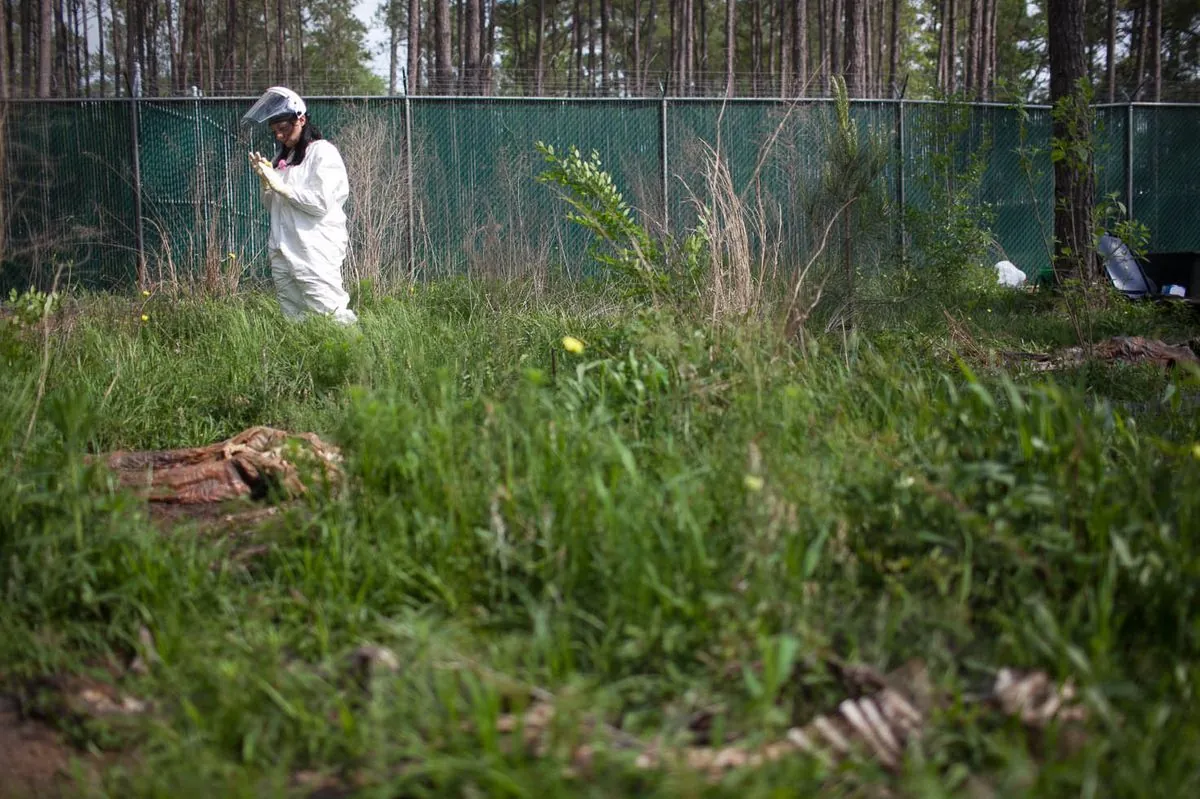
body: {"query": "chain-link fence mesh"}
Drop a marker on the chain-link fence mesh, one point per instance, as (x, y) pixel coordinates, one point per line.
(460, 197)
(1166, 184)
(479, 208)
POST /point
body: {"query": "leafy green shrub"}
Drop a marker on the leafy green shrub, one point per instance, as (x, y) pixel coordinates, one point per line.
(647, 266)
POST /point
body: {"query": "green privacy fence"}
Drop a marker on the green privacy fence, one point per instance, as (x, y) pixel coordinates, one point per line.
(117, 192)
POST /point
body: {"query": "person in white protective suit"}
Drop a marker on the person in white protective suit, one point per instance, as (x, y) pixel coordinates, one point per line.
(304, 188)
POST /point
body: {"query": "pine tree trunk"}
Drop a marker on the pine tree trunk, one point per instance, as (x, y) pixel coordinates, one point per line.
(591, 47)
(540, 58)
(5, 49)
(952, 62)
(648, 53)
(6, 32)
(605, 13)
(280, 52)
(300, 49)
(62, 78)
(114, 33)
(470, 77)
(1142, 29)
(987, 38)
(186, 46)
(636, 55)
(45, 52)
(824, 63)
(441, 41)
(173, 49)
(837, 54)
(1156, 13)
(991, 88)
(229, 57)
(799, 47)
(79, 38)
(689, 47)
(894, 51)
(488, 48)
(756, 47)
(209, 86)
(943, 34)
(878, 70)
(673, 47)
(150, 40)
(1073, 181)
(198, 40)
(774, 33)
(393, 50)
(854, 47)
(972, 60)
(28, 25)
(413, 79)
(577, 41)
(1110, 52)
(100, 43)
(730, 44)
(867, 66)
(265, 44)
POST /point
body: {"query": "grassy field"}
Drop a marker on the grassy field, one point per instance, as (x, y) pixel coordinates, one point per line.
(687, 534)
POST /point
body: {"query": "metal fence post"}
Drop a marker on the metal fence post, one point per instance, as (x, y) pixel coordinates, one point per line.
(202, 172)
(900, 199)
(662, 147)
(408, 177)
(1129, 160)
(135, 142)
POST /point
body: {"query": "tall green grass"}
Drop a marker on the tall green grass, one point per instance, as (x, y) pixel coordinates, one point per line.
(680, 518)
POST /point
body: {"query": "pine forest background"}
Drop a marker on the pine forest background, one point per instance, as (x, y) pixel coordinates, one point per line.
(1138, 50)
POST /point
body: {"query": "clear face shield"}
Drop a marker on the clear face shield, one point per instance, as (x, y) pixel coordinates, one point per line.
(276, 101)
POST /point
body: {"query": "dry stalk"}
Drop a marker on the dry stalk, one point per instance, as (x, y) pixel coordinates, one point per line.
(740, 276)
(730, 252)
(514, 244)
(794, 318)
(382, 203)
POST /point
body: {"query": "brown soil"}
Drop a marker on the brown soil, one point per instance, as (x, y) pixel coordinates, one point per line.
(34, 761)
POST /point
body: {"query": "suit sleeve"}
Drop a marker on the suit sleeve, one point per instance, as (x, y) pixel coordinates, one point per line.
(326, 185)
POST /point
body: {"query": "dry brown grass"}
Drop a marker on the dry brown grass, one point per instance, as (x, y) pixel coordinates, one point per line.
(380, 201)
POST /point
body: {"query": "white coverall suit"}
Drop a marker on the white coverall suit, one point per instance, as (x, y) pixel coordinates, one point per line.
(308, 239)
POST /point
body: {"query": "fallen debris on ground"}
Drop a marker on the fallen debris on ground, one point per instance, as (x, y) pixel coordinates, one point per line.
(250, 465)
(892, 711)
(1124, 349)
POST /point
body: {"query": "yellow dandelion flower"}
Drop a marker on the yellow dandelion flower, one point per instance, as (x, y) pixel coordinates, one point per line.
(145, 292)
(1196, 451)
(572, 344)
(753, 483)
(145, 318)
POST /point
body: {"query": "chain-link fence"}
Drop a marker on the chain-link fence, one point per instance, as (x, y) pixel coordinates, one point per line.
(117, 192)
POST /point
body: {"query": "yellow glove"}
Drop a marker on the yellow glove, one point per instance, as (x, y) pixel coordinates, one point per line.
(270, 177)
(255, 158)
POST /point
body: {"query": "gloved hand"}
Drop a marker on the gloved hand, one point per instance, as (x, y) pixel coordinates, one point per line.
(269, 177)
(254, 160)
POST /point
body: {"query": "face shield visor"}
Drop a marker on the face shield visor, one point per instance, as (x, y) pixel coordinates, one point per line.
(276, 102)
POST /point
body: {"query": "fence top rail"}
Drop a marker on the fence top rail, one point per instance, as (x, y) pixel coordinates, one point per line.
(492, 99)
(570, 100)
(1164, 105)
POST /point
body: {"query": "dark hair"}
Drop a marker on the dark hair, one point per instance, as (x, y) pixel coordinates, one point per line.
(308, 134)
